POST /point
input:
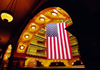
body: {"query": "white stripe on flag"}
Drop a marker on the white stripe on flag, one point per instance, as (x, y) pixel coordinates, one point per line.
(63, 41)
(52, 48)
(67, 43)
(56, 47)
(49, 53)
(59, 41)
(59, 47)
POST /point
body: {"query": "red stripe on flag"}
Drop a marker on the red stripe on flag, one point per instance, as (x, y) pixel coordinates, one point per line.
(68, 44)
(54, 48)
(47, 47)
(58, 49)
(53, 55)
(61, 41)
(50, 48)
(65, 41)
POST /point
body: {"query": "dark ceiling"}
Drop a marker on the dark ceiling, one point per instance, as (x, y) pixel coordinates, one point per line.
(79, 10)
(23, 10)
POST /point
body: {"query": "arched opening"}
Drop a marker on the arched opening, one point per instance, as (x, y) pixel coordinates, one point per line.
(46, 16)
(57, 64)
(7, 53)
(33, 39)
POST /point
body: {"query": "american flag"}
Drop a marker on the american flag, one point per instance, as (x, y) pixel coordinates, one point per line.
(58, 46)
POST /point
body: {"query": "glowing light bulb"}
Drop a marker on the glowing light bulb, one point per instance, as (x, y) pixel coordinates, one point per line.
(55, 10)
(53, 13)
(22, 47)
(42, 15)
(33, 27)
(6, 56)
(26, 36)
(42, 19)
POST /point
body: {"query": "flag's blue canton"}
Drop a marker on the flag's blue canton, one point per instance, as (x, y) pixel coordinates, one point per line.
(52, 30)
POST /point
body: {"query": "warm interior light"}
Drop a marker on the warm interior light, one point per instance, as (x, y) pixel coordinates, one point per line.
(72, 63)
(6, 56)
(53, 13)
(10, 46)
(33, 26)
(21, 47)
(42, 15)
(8, 50)
(6, 16)
(42, 19)
(55, 10)
(26, 36)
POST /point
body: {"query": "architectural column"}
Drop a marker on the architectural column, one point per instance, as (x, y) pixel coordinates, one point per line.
(46, 63)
